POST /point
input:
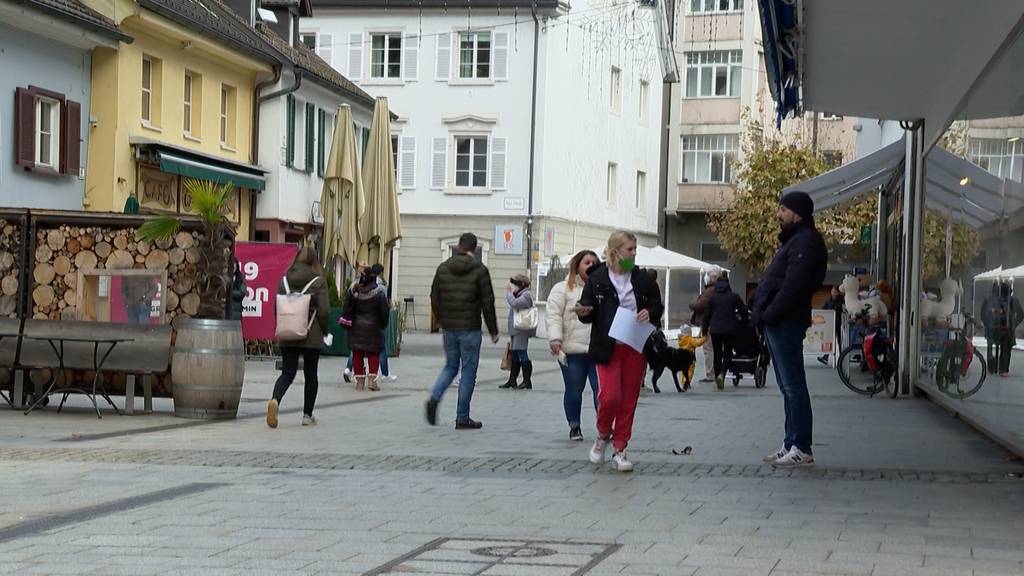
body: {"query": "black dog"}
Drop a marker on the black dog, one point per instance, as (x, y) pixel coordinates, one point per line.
(661, 356)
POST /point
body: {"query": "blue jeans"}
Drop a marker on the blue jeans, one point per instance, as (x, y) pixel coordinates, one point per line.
(384, 369)
(577, 370)
(461, 349)
(786, 346)
(138, 313)
(521, 356)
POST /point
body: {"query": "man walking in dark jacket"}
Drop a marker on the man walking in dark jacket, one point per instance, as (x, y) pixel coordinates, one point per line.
(782, 306)
(461, 292)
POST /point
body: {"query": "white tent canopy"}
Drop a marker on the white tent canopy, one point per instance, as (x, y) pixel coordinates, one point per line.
(982, 198)
(1001, 274)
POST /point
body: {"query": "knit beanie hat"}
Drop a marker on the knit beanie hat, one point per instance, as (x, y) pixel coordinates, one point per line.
(800, 203)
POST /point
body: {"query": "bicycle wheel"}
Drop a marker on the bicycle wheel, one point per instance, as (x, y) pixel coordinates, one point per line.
(887, 371)
(968, 384)
(855, 374)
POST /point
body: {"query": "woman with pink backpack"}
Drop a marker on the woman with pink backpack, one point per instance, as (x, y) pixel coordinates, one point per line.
(302, 308)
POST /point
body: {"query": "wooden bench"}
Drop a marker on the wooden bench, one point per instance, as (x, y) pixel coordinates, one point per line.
(146, 352)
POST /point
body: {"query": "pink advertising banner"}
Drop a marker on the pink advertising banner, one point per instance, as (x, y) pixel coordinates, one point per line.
(263, 265)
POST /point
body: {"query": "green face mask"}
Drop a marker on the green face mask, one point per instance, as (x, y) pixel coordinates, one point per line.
(627, 264)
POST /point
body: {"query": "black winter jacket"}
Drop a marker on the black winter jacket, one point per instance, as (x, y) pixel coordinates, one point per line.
(600, 294)
(461, 292)
(795, 274)
(368, 309)
(724, 310)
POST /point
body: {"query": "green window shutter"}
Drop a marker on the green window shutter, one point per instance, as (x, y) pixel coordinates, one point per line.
(366, 142)
(321, 142)
(310, 126)
(289, 152)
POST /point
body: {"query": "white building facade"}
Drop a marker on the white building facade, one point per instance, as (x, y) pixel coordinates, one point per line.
(531, 124)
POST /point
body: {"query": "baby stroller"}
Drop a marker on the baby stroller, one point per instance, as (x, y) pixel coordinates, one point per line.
(750, 354)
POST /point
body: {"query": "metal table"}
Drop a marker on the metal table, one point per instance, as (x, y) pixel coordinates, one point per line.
(57, 344)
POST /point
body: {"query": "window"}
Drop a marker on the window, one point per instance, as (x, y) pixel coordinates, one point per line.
(832, 158)
(386, 56)
(289, 146)
(394, 154)
(474, 55)
(708, 158)
(47, 131)
(1004, 158)
(151, 82)
(641, 190)
(716, 73)
(309, 39)
(611, 188)
(470, 161)
(310, 147)
(616, 90)
(645, 101)
(715, 6)
(227, 116)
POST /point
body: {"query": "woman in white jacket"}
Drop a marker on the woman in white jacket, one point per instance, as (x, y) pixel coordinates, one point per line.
(569, 339)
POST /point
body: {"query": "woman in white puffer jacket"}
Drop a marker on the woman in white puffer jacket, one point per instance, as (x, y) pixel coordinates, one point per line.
(569, 339)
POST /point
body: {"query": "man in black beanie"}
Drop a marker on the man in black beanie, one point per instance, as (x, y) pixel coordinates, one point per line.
(782, 309)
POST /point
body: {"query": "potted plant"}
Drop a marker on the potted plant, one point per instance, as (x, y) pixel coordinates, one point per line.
(208, 361)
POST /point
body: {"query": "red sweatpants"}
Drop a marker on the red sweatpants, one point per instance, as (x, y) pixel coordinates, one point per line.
(373, 359)
(617, 393)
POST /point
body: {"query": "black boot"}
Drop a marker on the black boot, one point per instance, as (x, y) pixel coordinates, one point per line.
(527, 373)
(513, 375)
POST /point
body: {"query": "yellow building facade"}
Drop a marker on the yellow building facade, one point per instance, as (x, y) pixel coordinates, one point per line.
(174, 104)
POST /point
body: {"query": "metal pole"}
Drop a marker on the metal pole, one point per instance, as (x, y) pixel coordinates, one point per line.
(912, 234)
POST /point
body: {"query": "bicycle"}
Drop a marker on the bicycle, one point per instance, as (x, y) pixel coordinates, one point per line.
(869, 367)
(959, 362)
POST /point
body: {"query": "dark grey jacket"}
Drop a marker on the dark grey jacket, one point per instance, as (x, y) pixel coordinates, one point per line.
(724, 310)
(785, 290)
(461, 293)
(368, 308)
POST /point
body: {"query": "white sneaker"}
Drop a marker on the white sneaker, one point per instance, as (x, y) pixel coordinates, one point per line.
(622, 463)
(309, 420)
(598, 450)
(771, 458)
(794, 459)
(347, 375)
(390, 378)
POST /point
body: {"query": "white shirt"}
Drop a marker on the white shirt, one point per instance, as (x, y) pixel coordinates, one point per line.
(624, 286)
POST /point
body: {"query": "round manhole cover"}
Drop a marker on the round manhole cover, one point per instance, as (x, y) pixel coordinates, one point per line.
(519, 551)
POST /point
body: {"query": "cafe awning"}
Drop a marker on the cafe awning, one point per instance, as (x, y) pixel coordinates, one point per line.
(191, 164)
(953, 185)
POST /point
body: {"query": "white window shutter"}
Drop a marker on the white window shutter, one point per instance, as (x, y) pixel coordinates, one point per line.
(355, 56)
(443, 66)
(411, 58)
(325, 48)
(407, 162)
(439, 164)
(498, 166)
(500, 55)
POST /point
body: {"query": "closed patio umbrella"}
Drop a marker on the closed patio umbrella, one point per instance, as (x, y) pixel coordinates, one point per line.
(383, 223)
(342, 201)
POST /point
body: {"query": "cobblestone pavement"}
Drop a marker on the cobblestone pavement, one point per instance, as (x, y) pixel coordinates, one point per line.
(901, 487)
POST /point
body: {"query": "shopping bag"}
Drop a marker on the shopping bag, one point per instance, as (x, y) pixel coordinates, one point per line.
(506, 358)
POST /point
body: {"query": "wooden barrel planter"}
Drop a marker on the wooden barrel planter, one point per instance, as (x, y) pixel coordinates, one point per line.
(207, 368)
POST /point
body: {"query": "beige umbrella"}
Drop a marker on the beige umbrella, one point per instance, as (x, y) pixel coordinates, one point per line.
(342, 201)
(383, 222)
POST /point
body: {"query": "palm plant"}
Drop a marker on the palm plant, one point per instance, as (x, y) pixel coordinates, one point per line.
(213, 273)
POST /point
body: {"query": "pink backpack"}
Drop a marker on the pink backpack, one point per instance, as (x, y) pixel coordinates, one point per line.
(293, 313)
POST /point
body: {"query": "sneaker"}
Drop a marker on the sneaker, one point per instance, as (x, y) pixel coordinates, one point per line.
(468, 424)
(823, 359)
(272, 413)
(432, 412)
(347, 375)
(598, 450)
(575, 434)
(622, 463)
(389, 378)
(794, 459)
(309, 420)
(771, 458)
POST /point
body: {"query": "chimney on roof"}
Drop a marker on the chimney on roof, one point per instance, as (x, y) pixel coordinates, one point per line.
(244, 8)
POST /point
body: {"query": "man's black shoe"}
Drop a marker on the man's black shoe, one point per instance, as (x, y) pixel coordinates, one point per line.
(432, 412)
(468, 424)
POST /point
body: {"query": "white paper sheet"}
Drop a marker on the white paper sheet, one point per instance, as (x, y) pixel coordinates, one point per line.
(627, 330)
